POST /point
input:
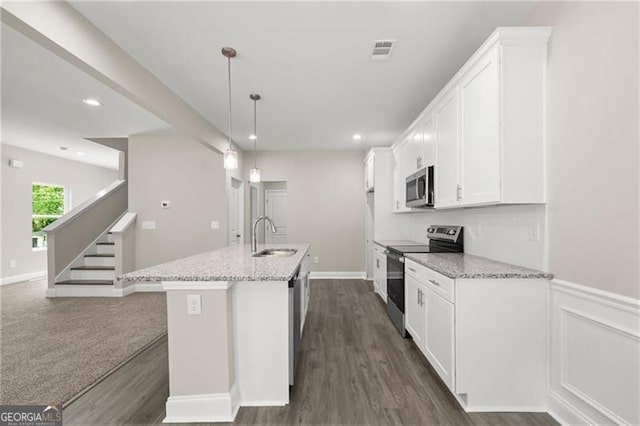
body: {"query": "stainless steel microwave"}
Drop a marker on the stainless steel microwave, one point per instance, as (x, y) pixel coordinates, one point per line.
(419, 192)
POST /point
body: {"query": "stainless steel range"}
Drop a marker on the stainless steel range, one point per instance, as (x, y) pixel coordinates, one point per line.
(442, 239)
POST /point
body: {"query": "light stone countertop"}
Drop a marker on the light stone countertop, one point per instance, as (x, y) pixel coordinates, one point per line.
(461, 265)
(232, 263)
(387, 243)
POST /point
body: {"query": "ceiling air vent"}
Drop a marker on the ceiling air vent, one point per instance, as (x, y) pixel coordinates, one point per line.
(382, 49)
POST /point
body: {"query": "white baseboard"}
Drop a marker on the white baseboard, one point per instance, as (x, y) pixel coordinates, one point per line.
(23, 277)
(102, 291)
(346, 275)
(595, 341)
(147, 287)
(207, 408)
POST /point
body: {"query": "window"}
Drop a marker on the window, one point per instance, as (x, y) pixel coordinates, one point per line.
(48, 204)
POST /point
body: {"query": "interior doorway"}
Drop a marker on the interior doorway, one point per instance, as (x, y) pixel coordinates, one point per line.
(276, 208)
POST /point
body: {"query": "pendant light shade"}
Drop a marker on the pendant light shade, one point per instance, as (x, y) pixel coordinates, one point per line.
(230, 159)
(230, 155)
(254, 174)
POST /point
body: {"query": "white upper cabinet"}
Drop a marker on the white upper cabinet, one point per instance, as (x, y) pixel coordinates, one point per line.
(488, 125)
(446, 137)
(480, 143)
(369, 173)
(404, 165)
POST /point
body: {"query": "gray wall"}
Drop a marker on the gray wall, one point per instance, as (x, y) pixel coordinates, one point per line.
(593, 143)
(325, 201)
(82, 179)
(192, 177)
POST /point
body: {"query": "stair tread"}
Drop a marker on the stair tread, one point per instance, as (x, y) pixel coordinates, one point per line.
(99, 255)
(105, 243)
(93, 268)
(85, 282)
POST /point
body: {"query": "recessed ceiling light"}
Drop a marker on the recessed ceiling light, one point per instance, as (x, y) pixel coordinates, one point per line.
(92, 102)
(80, 153)
(253, 137)
(64, 148)
(357, 137)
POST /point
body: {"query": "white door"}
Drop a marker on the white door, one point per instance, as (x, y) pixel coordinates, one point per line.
(276, 209)
(235, 222)
(480, 133)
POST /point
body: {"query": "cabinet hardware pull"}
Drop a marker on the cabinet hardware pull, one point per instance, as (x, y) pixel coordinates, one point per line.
(458, 192)
(378, 263)
(434, 283)
(412, 270)
(419, 301)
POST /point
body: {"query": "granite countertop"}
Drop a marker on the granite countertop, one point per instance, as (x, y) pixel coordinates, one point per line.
(461, 265)
(232, 263)
(387, 243)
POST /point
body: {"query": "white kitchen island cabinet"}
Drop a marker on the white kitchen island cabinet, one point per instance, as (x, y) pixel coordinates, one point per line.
(482, 327)
(234, 323)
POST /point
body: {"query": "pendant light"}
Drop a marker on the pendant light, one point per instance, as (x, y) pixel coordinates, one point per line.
(254, 175)
(230, 155)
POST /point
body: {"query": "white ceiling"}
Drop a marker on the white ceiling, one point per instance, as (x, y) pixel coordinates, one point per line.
(42, 105)
(309, 61)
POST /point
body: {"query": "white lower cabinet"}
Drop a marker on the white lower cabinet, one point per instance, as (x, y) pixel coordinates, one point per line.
(486, 338)
(414, 317)
(305, 270)
(380, 272)
(438, 336)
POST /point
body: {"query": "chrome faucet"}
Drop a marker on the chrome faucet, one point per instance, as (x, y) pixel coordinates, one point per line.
(254, 243)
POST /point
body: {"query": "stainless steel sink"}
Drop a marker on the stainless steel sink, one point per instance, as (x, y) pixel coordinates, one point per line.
(276, 252)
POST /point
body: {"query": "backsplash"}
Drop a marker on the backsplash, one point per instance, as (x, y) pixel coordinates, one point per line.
(514, 234)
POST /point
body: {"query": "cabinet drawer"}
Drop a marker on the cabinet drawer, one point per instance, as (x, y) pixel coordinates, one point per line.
(378, 249)
(435, 281)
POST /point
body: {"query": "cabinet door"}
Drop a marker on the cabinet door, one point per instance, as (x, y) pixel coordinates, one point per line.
(403, 168)
(377, 268)
(417, 152)
(383, 276)
(446, 170)
(439, 336)
(414, 316)
(369, 174)
(428, 143)
(480, 141)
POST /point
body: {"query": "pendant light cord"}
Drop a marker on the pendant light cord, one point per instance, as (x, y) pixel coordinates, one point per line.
(230, 121)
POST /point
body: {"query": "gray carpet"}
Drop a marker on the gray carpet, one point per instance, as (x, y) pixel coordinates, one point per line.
(51, 349)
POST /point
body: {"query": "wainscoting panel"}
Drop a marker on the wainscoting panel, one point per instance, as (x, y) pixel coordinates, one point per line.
(595, 356)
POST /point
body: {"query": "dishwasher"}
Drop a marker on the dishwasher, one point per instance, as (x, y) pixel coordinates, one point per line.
(294, 324)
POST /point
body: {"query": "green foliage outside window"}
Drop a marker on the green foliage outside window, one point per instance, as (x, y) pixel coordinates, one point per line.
(47, 207)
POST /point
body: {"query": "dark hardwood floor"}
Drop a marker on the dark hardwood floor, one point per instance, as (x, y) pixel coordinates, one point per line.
(355, 370)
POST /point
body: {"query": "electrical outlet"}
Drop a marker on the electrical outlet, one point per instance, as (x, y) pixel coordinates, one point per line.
(149, 224)
(194, 304)
(12, 264)
(215, 224)
(534, 232)
(316, 259)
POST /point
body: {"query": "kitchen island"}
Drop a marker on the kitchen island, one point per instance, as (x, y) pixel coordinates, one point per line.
(230, 318)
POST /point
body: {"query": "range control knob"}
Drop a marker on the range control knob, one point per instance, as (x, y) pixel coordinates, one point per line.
(451, 232)
(431, 230)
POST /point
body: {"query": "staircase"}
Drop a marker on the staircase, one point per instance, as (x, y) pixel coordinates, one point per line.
(95, 268)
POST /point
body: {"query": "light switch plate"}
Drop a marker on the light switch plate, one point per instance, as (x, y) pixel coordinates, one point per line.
(194, 304)
(149, 224)
(12, 264)
(166, 204)
(215, 224)
(316, 259)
